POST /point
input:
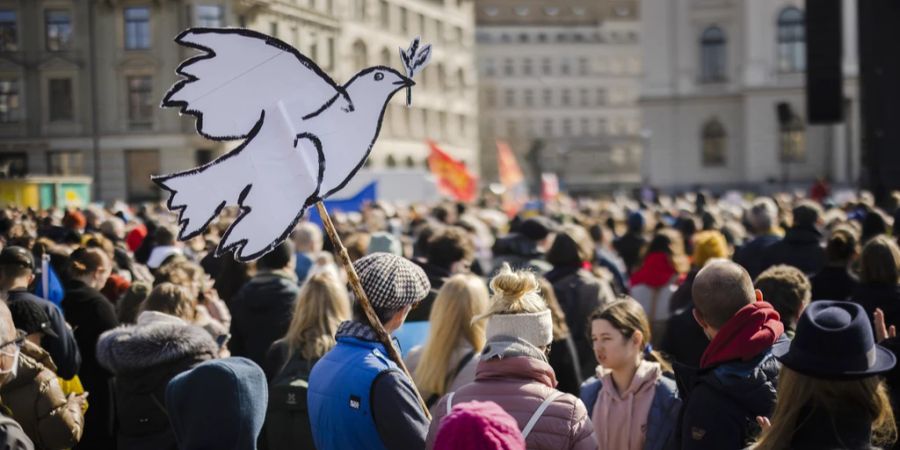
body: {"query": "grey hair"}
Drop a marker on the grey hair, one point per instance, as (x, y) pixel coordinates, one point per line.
(308, 237)
(763, 214)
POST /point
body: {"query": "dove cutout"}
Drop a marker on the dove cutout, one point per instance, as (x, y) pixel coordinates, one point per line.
(303, 137)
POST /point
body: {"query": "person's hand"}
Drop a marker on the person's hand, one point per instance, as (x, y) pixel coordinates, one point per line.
(764, 423)
(80, 399)
(882, 331)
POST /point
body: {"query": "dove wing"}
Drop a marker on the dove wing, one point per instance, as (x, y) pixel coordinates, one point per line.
(239, 74)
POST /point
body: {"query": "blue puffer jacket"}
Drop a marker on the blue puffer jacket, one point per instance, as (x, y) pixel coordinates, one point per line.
(662, 420)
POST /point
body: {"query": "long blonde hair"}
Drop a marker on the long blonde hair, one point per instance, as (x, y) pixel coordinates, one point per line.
(321, 306)
(797, 391)
(514, 293)
(462, 298)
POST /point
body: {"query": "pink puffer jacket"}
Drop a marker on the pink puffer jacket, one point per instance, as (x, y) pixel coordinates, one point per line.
(519, 385)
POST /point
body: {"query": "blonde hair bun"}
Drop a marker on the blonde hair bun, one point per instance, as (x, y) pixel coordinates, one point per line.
(514, 285)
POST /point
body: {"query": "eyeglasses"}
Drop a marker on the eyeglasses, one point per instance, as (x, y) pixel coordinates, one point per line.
(18, 341)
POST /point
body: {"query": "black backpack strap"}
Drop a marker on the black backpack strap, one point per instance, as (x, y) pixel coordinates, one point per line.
(462, 363)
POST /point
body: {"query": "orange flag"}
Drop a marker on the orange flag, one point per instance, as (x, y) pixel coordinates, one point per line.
(512, 179)
(454, 179)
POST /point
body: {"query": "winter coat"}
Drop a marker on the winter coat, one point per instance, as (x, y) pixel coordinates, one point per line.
(801, 248)
(143, 358)
(520, 253)
(38, 403)
(721, 402)
(662, 420)
(462, 364)
(567, 365)
(91, 314)
(751, 254)
(833, 283)
(12, 437)
(816, 429)
(580, 293)
(287, 425)
(261, 313)
(516, 376)
(885, 296)
(63, 349)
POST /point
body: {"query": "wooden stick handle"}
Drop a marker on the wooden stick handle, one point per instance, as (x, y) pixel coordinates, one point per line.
(363, 300)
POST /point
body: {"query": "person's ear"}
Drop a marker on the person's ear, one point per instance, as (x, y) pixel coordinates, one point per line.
(699, 318)
(638, 338)
(759, 295)
(31, 278)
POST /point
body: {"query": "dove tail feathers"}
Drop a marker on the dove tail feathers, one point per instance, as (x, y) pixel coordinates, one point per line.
(198, 196)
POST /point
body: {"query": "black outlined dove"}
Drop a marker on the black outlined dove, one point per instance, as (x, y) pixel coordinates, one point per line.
(303, 136)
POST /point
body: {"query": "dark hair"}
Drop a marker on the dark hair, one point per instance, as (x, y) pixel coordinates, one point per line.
(84, 261)
(424, 234)
(880, 261)
(384, 315)
(165, 235)
(448, 246)
(787, 289)
(571, 247)
(842, 245)
(806, 214)
(278, 258)
(671, 243)
(627, 316)
(597, 231)
(873, 225)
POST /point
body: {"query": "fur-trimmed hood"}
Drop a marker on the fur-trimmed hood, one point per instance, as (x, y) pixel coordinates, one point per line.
(157, 339)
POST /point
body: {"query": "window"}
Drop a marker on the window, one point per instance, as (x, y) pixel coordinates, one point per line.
(10, 102)
(526, 66)
(403, 25)
(567, 127)
(490, 97)
(58, 27)
(712, 55)
(529, 97)
(511, 128)
(141, 166)
(61, 106)
(385, 59)
(713, 138)
(546, 66)
(273, 29)
(65, 163)
(137, 28)
(508, 67)
(585, 127)
(209, 16)
(584, 98)
(509, 97)
(13, 164)
(564, 67)
(548, 97)
(410, 162)
(360, 60)
(548, 127)
(314, 47)
(583, 66)
(602, 127)
(793, 140)
(566, 97)
(791, 41)
(385, 12)
(329, 43)
(601, 97)
(489, 68)
(141, 103)
(9, 31)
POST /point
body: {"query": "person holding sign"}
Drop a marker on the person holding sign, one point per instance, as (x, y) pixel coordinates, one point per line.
(358, 397)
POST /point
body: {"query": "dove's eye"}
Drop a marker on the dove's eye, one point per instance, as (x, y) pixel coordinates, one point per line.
(379, 76)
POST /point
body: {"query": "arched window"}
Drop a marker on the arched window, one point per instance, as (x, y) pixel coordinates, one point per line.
(791, 40)
(385, 59)
(793, 140)
(712, 55)
(410, 162)
(713, 137)
(390, 161)
(360, 60)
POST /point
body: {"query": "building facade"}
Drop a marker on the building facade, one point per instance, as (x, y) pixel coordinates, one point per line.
(81, 81)
(723, 97)
(559, 82)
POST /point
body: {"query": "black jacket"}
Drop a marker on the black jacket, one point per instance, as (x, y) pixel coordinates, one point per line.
(801, 248)
(566, 365)
(684, 341)
(751, 254)
(721, 403)
(63, 349)
(885, 296)
(833, 283)
(144, 358)
(579, 293)
(817, 430)
(91, 314)
(261, 313)
(436, 276)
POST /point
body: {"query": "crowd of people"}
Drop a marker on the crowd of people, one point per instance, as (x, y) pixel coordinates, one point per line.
(693, 321)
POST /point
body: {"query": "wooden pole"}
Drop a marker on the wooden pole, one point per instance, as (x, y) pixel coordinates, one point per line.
(363, 300)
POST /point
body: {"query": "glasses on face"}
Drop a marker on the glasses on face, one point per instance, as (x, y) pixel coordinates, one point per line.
(18, 341)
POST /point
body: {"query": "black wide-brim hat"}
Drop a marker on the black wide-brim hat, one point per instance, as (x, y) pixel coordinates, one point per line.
(834, 340)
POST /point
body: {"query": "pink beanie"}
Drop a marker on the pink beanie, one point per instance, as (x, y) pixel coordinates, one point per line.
(479, 426)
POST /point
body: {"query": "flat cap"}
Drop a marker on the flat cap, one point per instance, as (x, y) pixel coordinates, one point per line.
(391, 281)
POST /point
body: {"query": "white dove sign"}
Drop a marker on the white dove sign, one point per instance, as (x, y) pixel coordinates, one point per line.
(303, 136)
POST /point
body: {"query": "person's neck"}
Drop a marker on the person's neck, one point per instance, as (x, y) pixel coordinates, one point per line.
(18, 285)
(622, 376)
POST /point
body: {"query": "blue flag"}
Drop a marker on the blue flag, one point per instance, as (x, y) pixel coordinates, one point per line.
(367, 194)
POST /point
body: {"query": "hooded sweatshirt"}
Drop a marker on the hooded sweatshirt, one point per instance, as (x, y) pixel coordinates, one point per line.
(752, 330)
(620, 418)
(220, 404)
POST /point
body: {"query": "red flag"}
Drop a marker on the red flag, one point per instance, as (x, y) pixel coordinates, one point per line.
(454, 179)
(512, 179)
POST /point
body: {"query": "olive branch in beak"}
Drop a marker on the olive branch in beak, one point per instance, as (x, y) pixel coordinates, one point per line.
(414, 60)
